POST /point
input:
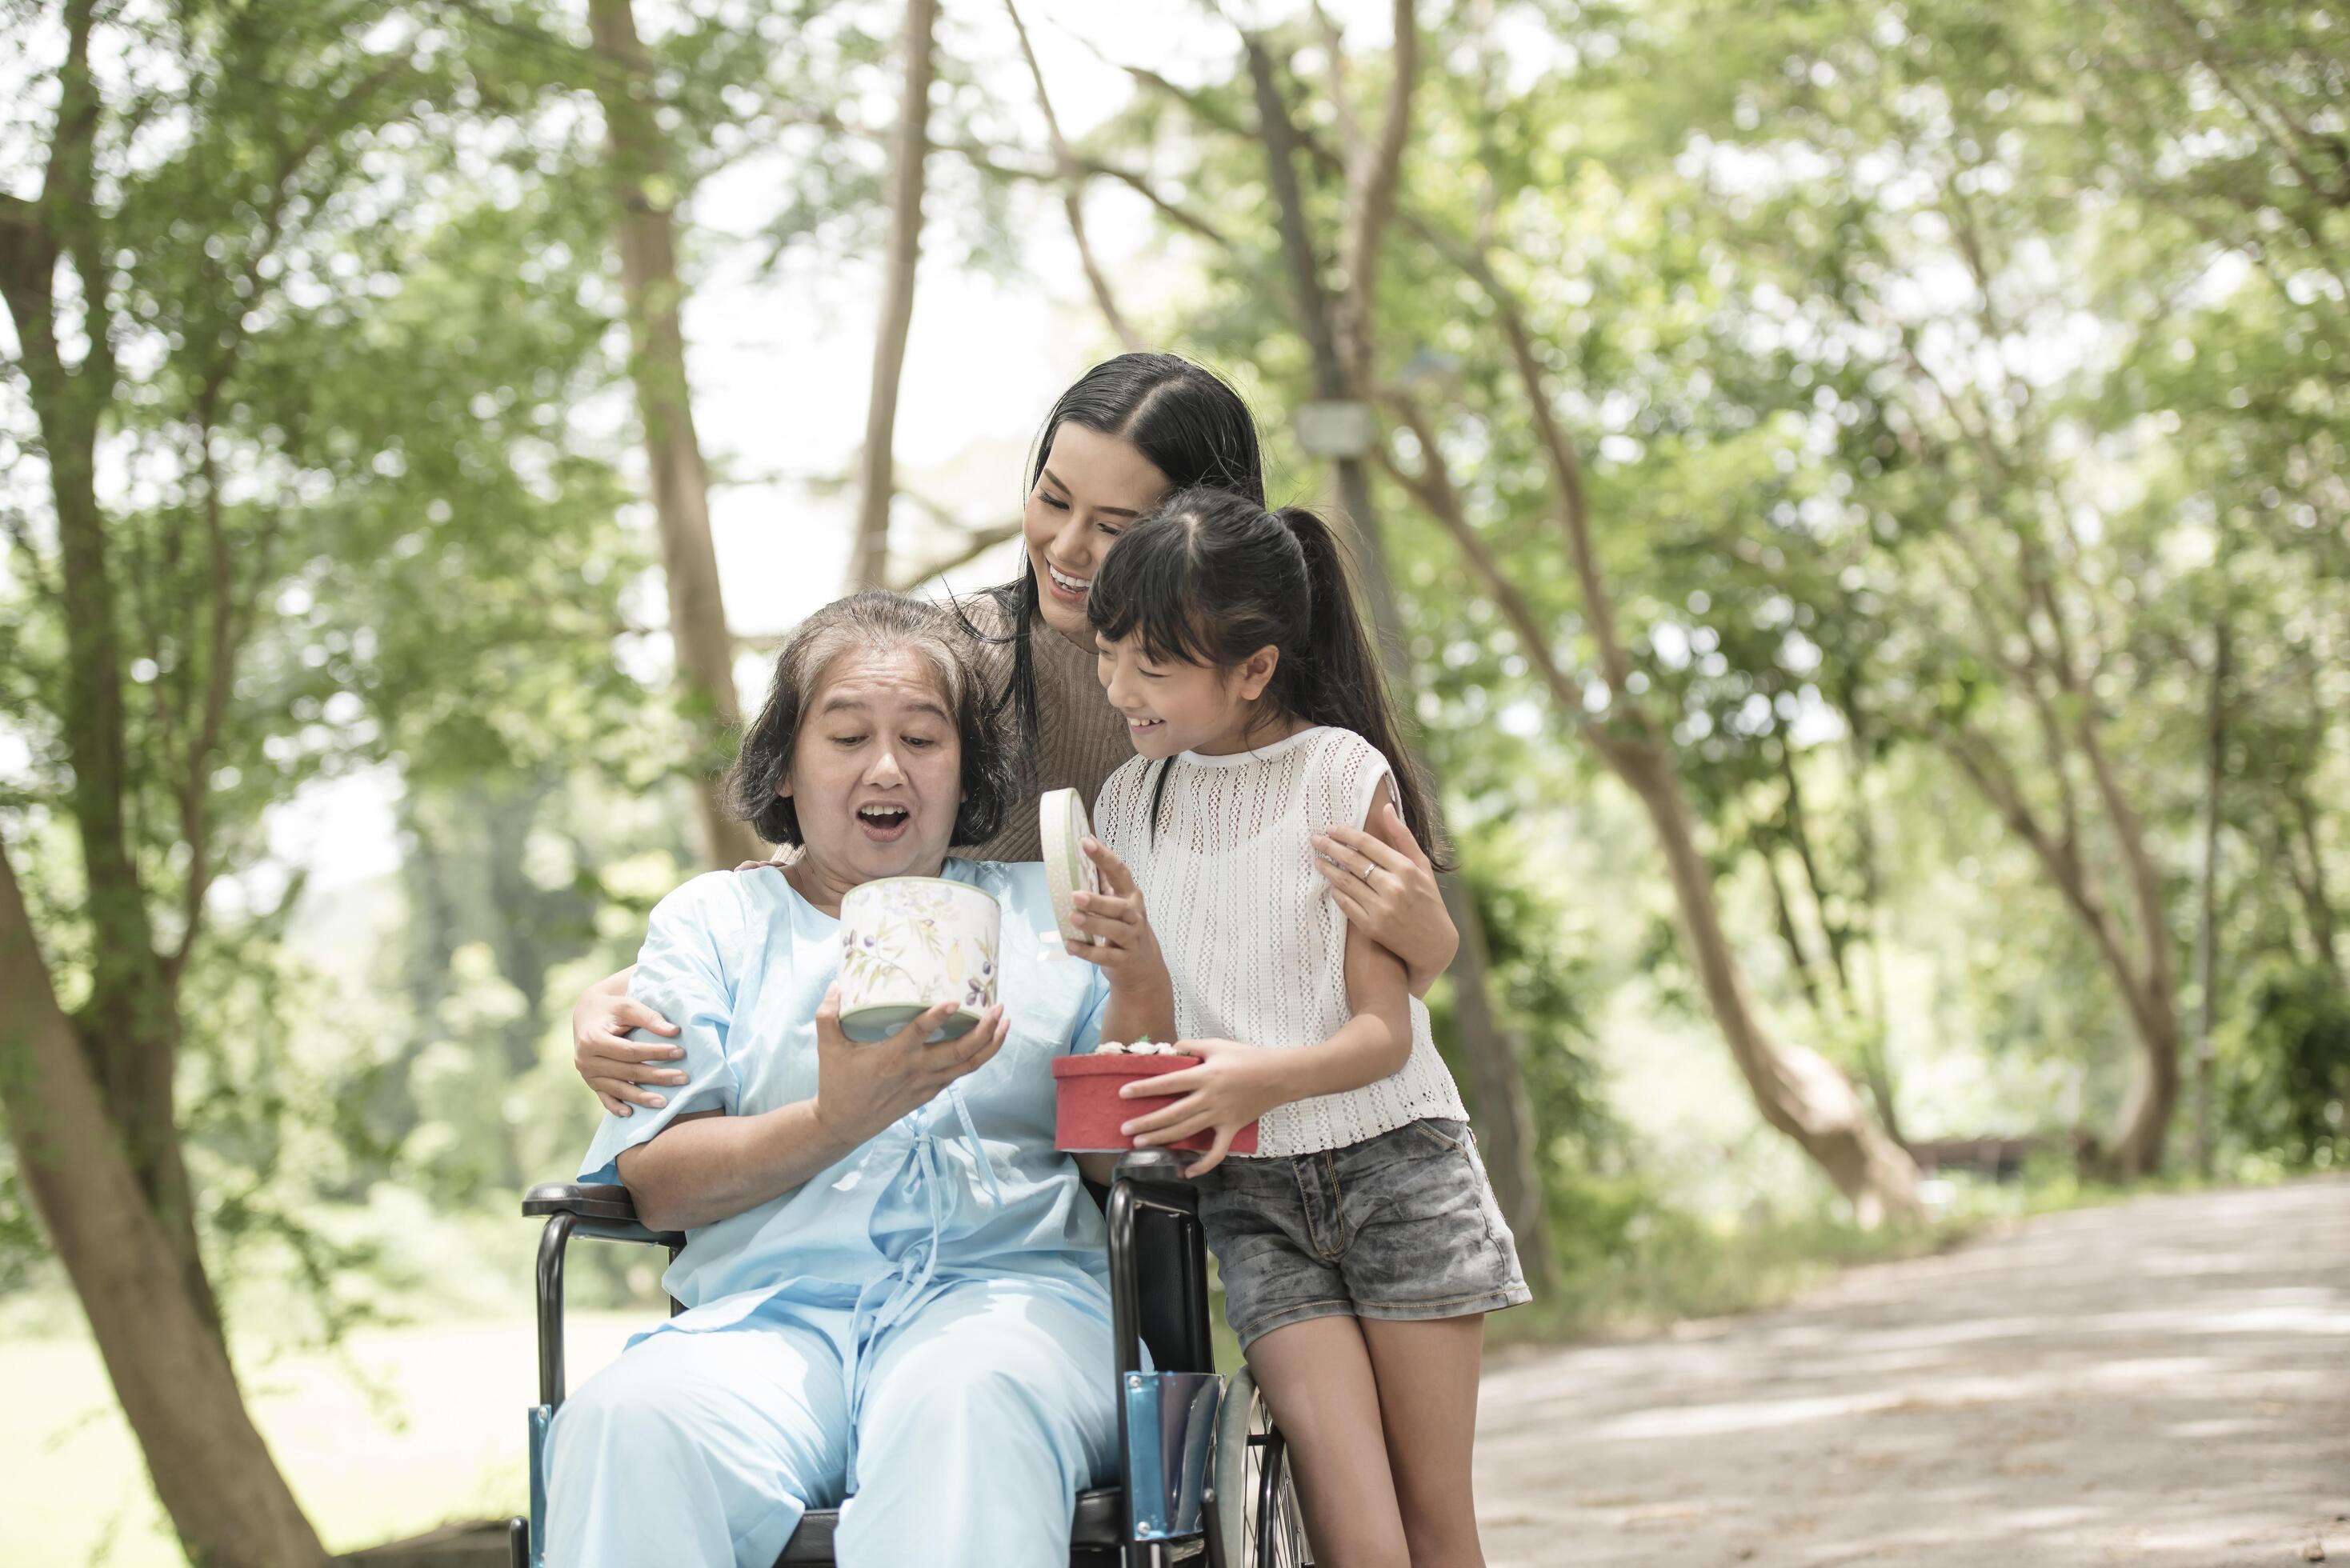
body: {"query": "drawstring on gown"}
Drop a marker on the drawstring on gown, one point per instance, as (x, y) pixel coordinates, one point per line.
(886, 1299)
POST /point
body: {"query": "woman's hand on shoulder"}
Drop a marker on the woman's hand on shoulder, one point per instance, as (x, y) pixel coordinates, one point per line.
(1386, 884)
(1234, 1085)
(615, 1066)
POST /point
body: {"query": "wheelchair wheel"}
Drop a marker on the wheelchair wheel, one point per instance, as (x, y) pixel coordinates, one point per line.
(1258, 1519)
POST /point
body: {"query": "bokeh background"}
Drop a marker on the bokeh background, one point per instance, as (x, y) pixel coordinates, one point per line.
(1858, 489)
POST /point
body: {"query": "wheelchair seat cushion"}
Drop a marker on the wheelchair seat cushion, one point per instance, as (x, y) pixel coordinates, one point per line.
(1097, 1524)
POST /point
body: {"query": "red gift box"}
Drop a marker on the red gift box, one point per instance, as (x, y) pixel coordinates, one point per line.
(1087, 1111)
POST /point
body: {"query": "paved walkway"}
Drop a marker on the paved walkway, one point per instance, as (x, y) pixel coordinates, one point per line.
(2164, 1382)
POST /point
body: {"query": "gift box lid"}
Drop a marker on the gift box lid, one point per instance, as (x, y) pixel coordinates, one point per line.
(1119, 1064)
(1068, 870)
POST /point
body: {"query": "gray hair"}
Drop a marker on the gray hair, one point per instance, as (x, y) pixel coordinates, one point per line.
(873, 622)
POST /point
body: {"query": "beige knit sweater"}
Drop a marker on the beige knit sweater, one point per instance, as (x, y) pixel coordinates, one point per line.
(1082, 739)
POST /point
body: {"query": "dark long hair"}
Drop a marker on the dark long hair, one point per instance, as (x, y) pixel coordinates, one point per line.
(1192, 427)
(872, 621)
(1209, 578)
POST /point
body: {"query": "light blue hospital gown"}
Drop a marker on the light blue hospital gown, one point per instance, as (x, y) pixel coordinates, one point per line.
(911, 1326)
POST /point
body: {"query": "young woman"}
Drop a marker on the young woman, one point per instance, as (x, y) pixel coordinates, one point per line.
(1360, 1247)
(1131, 431)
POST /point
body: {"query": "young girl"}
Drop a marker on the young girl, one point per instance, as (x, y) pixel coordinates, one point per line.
(1361, 1247)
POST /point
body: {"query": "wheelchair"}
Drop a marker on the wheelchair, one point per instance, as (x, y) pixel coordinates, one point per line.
(1203, 1473)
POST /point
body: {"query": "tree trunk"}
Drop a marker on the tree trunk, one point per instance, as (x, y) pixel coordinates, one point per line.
(2299, 842)
(681, 484)
(130, 1028)
(212, 1469)
(1797, 1090)
(2148, 988)
(1866, 1027)
(2152, 1100)
(1791, 935)
(868, 553)
(1879, 1011)
(2144, 993)
(2317, 904)
(129, 1032)
(2207, 934)
(1071, 177)
(1491, 1051)
(1494, 1054)
(1373, 171)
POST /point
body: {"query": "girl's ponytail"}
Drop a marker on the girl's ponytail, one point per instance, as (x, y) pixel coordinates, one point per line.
(1210, 578)
(1339, 681)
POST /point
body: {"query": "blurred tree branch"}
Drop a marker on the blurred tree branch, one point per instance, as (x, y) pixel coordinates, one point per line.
(908, 575)
(1070, 176)
(645, 195)
(908, 153)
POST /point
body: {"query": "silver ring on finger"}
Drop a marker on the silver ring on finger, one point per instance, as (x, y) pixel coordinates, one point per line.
(1368, 870)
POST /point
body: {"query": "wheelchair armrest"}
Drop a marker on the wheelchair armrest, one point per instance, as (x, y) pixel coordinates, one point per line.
(1162, 1172)
(608, 1211)
(605, 1212)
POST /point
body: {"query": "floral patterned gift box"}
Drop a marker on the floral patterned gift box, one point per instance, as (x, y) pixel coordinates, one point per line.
(911, 942)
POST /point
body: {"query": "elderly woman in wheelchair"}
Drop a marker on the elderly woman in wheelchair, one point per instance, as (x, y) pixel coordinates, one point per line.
(893, 1294)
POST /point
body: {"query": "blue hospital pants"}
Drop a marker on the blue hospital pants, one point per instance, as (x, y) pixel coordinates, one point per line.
(984, 1412)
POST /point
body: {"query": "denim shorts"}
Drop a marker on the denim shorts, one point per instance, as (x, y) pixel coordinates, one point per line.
(1401, 1226)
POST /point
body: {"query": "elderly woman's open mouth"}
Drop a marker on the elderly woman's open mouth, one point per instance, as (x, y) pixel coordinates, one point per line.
(883, 822)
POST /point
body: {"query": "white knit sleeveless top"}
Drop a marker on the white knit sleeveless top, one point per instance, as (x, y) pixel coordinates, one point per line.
(1254, 939)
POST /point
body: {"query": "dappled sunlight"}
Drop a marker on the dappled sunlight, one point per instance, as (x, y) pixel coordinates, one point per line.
(2020, 1401)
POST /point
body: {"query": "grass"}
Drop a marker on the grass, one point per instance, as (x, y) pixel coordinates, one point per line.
(401, 1429)
(1690, 1268)
(1632, 1265)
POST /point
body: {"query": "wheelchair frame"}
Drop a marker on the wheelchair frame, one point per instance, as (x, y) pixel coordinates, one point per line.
(1163, 1509)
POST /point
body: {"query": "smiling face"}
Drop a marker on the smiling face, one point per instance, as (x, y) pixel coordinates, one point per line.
(875, 772)
(1092, 486)
(1171, 706)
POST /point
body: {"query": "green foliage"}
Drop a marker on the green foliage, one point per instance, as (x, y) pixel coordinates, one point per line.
(2287, 1083)
(1541, 977)
(1542, 981)
(365, 526)
(21, 1247)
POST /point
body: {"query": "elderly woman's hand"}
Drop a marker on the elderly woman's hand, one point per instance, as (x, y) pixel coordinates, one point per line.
(862, 1088)
(1388, 887)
